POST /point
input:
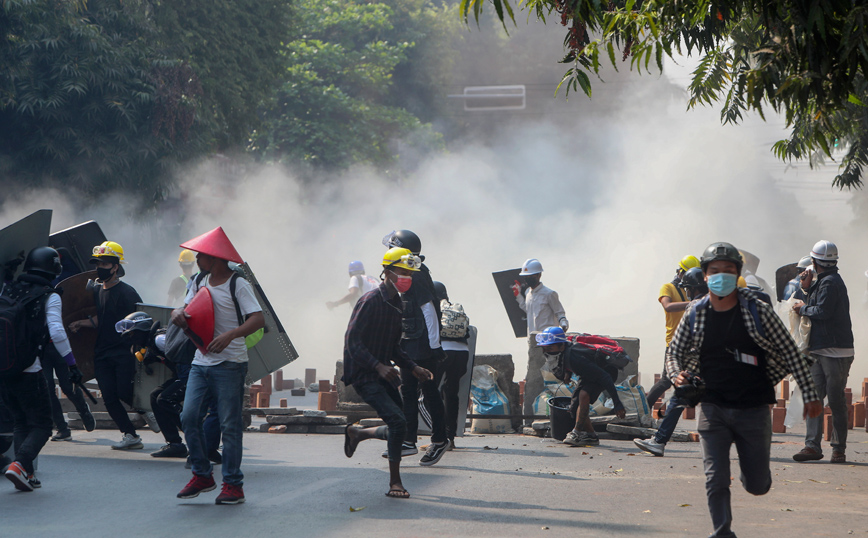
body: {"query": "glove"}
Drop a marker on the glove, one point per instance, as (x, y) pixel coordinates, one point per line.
(565, 325)
(516, 288)
(75, 375)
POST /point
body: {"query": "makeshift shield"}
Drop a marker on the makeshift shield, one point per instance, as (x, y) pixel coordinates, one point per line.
(20, 237)
(79, 302)
(79, 240)
(782, 276)
(504, 280)
(201, 319)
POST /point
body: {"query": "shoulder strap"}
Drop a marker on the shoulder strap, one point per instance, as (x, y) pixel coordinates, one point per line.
(751, 306)
(691, 316)
(232, 281)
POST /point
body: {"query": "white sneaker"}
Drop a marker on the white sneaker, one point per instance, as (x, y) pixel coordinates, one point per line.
(129, 442)
(151, 419)
(650, 446)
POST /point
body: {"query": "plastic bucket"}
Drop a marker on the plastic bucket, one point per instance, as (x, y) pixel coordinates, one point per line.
(559, 415)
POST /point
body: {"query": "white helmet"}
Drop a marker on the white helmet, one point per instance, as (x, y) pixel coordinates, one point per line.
(825, 251)
(804, 263)
(531, 266)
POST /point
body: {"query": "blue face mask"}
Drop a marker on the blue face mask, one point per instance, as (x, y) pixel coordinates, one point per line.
(722, 284)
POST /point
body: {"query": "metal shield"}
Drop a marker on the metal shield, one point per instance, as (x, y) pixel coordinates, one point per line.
(79, 240)
(504, 280)
(20, 237)
(79, 303)
(782, 276)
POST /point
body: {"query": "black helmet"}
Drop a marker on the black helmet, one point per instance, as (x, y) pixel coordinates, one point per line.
(440, 291)
(44, 262)
(135, 322)
(721, 251)
(403, 239)
(693, 278)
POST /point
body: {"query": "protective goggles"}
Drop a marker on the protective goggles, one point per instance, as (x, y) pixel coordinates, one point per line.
(548, 339)
(127, 324)
(410, 261)
(101, 250)
(390, 240)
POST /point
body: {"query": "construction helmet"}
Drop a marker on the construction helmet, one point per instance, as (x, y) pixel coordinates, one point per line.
(187, 256)
(531, 266)
(108, 250)
(825, 251)
(440, 291)
(550, 336)
(721, 251)
(401, 257)
(804, 263)
(688, 262)
(44, 262)
(356, 267)
(403, 239)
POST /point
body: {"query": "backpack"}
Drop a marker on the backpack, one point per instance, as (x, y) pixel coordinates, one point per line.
(600, 350)
(453, 321)
(23, 334)
(703, 302)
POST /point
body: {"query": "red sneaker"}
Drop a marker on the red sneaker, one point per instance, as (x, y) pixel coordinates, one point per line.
(197, 485)
(18, 476)
(230, 495)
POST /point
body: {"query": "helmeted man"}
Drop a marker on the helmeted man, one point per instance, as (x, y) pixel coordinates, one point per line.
(220, 365)
(24, 390)
(796, 287)
(739, 346)
(831, 348)
(360, 284)
(178, 286)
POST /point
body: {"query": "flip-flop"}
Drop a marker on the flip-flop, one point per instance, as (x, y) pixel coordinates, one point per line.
(398, 494)
(349, 450)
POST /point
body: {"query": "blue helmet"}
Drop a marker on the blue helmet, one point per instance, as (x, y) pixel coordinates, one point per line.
(550, 336)
(356, 267)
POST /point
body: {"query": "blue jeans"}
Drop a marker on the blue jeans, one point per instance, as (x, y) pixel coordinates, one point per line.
(386, 401)
(670, 421)
(225, 383)
(751, 431)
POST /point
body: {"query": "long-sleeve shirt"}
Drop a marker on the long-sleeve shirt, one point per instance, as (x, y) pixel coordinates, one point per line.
(543, 308)
(782, 355)
(373, 337)
(56, 331)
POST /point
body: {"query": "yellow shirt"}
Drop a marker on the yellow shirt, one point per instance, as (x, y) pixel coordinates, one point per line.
(672, 318)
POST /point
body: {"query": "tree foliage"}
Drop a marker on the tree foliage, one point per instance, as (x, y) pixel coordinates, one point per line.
(806, 59)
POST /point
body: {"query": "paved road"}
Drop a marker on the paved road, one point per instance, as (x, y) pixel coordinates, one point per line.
(302, 485)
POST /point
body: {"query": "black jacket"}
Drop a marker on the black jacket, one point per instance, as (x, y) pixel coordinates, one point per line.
(829, 309)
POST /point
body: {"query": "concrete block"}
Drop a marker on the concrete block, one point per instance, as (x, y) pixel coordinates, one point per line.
(778, 416)
(329, 429)
(859, 415)
(309, 376)
(827, 427)
(278, 380)
(288, 384)
(541, 424)
(327, 401)
(297, 392)
(277, 429)
(298, 428)
(314, 413)
(371, 423)
(850, 417)
(283, 402)
(281, 411)
(264, 427)
(324, 385)
(299, 420)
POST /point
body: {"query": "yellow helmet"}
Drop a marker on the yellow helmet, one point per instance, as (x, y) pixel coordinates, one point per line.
(187, 256)
(688, 262)
(108, 249)
(401, 257)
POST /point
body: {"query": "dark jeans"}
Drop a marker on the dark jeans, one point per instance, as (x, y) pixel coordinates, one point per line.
(54, 365)
(386, 401)
(225, 383)
(116, 375)
(593, 380)
(167, 400)
(410, 387)
(751, 431)
(658, 390)
(454, 368)
(7, 426)
(830, 377)
(670, 421)
(26, 398)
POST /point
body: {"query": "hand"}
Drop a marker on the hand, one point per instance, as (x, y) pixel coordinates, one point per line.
(516, 288)
(621, 413)
(806, 278)
(330, 305)
(75, 375)
(179, 317)
(813, 409)
(76, 325)
(422, 374)
(681, 380)
(387, 372)
(797, 306)
(220, 342)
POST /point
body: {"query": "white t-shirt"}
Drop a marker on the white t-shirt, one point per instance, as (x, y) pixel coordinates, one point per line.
(367, 283)
(226, 319)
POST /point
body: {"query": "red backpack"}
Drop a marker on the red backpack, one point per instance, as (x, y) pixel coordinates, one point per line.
(600, 350)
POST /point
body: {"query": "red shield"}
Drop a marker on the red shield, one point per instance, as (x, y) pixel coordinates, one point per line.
(201, 319)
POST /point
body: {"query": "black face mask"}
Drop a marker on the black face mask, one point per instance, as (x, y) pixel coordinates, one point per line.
(531, 281)
(103, 274)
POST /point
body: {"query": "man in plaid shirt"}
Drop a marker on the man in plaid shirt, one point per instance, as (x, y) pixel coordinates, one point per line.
(740, 361)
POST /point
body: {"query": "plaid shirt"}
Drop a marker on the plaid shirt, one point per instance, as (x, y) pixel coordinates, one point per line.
(373, 336)
(782, 355)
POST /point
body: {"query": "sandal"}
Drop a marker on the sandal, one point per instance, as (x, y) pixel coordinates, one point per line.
(349, 448)
(398, 493)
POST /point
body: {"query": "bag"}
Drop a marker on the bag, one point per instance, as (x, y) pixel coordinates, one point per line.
(488, 399)
(632, 396)
(23, 333)
(179, 348)
(453, 321)
(796, 409)
(600, 350)
(800, 326)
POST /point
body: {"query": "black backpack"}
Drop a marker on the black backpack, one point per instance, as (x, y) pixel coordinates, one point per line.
(23, 333)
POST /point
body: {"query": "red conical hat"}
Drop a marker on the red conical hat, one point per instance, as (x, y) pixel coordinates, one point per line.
(214, 243)
(201, 320)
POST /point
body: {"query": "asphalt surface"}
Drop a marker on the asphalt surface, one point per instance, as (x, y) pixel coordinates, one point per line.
(504, 485)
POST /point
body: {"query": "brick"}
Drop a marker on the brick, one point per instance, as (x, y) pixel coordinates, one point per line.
(827, 427)
(827, 410)
(785, 389)
(329, 429)
(297, 392)
(314, 413)
(324, 385)
(778, 416)
(278, 380)
(689, 413)
(277, 429)
(781, 403)
(850, 417)
(848, 394)
(283, 402)
(288, 384)
(296, 420)
(693, 436)
(656, 378)
(865, 388)
(267, 386)
(263, 400)
(327, 401)
(309, 376)
(859, 414)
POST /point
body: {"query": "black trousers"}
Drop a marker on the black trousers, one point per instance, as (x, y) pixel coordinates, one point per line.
(54, 365)
(25, 396)
(454, 368)
(167, 401)
(410, 387)
(116, 375)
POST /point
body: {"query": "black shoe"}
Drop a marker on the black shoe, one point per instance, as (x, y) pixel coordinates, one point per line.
(87, 420)
(64, 435)
(215, 457)
(435, 452)
(171, 450)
